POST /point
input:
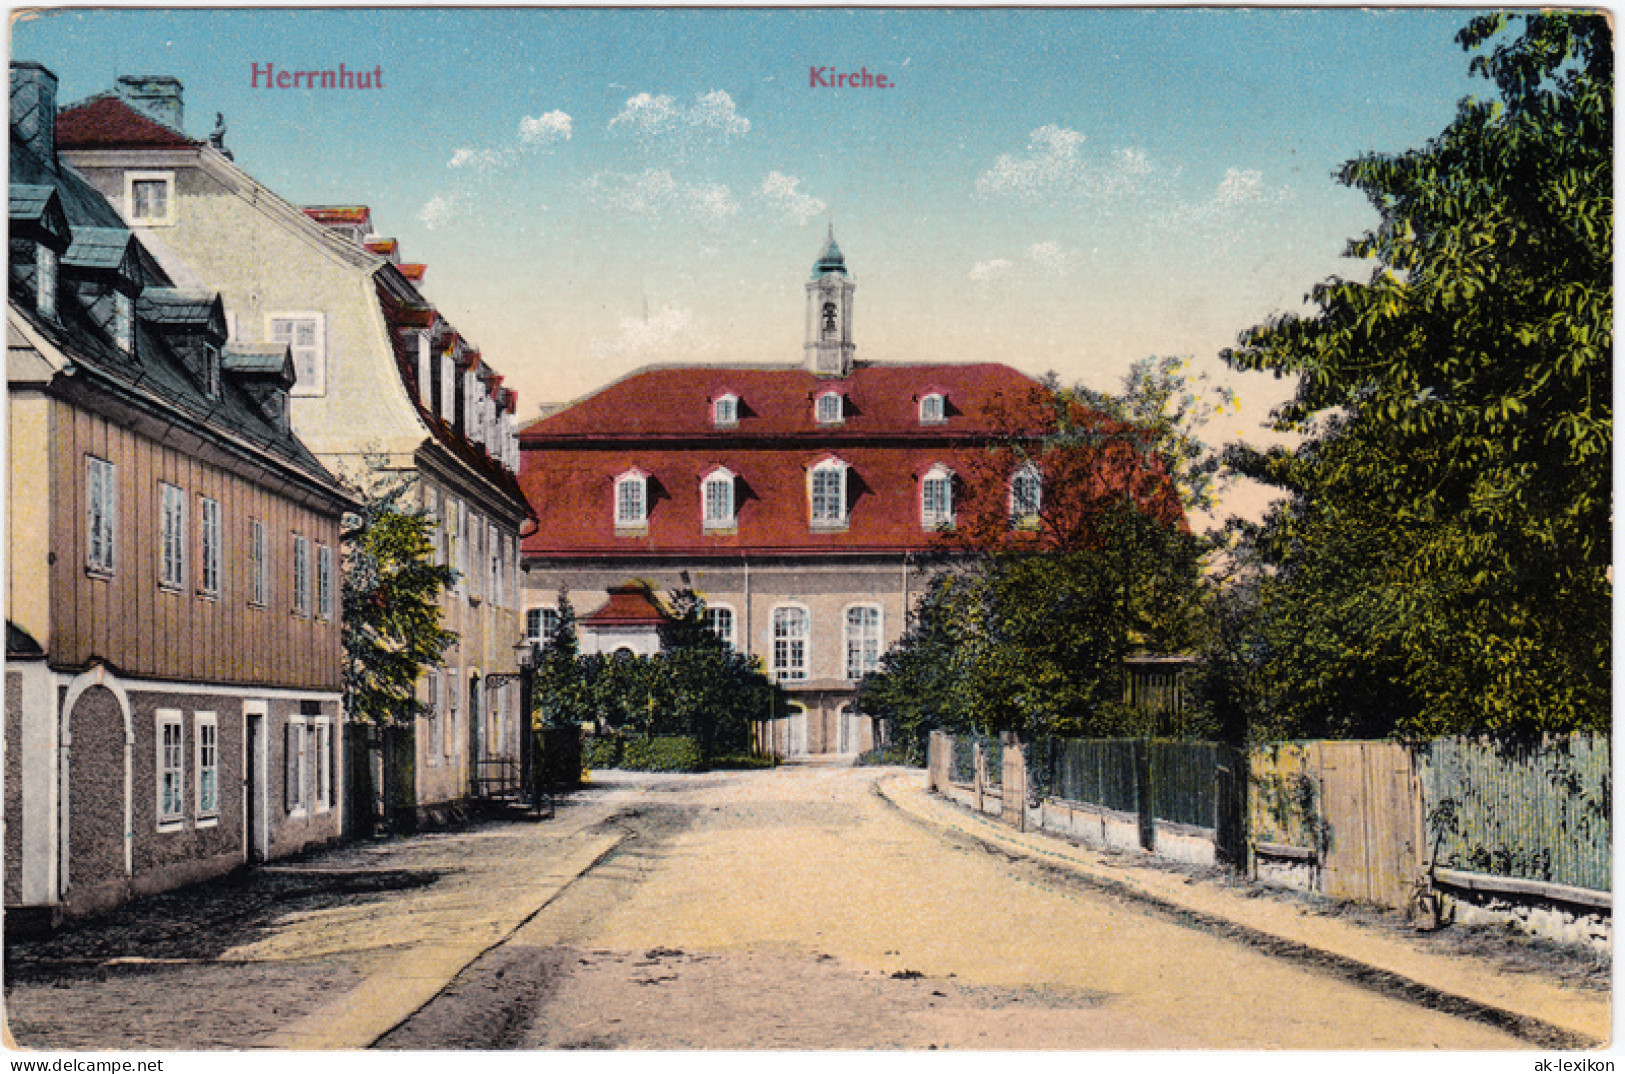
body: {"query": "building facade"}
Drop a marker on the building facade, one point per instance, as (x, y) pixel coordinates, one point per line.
(806, 502)
(387, 393)
(173, 637)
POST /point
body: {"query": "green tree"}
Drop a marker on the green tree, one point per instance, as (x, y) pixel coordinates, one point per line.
(391, 597)
(1441, 564)
(563, 694)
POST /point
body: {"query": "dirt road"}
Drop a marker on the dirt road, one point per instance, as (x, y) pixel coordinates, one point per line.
(796, 909)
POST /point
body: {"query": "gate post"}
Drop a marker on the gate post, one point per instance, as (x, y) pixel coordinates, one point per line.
(1014, 780)
(1145, 793)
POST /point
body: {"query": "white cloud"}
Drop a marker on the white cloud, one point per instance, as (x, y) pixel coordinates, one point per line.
(545, 129)
(712, 201)
(780, 191)
(1052, 159)
(535, 132)
(1240, 192)
(1055, 163)
(985, 272)
(478, 159)
(648, 115)
(1243, 188)
(440, 210)
(668, 333)
(1050, 256)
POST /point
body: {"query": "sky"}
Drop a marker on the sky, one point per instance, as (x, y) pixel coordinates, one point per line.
(597, 189)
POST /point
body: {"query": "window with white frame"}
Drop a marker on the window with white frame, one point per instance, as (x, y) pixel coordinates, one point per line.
(209, 543)
(1026, 496)
(790, 630)
(932, 409)
(719, 619)
(123, 325)
(829, 408)
(211, 370)
(171, 536)
(434, 688)
(149, 198)
(476, 556)
(301, 575)
(171, 784)
(425, 370)
(101, 514)
(259, 567)
(632, 499)
(296, 766)
(448, 385)
(324, 582)
(540, 626)
(305, 333)
(448, 730)
(827, 493)
(937, 498)
(206, 743)
(323, 750)
(493, 553)
(46, 264)
(862, 640)
(718, 494)
(725, 411)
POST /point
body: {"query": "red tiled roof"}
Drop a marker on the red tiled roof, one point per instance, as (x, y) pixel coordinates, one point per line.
(881, 400)
(658, 421)
(628, 605)
(357, 215)
(106, 122)
(413, 272)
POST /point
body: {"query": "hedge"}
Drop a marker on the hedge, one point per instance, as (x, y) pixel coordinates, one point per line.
(663, 753)
(601, 751)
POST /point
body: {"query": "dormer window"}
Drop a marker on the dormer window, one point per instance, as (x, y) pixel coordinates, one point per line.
(123, 325)
(937, 498)
(932, 409)
(717, 492)
(826, 490)
(632, 500)
(211, 370)
(149, 198)
(725, 411)
(829, 408)
(1026, 497)
(46, 263)
(425, 370)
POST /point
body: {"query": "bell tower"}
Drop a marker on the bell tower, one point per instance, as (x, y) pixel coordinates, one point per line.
(829, 313)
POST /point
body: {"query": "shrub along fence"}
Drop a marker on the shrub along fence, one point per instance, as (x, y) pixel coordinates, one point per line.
(1493, 832)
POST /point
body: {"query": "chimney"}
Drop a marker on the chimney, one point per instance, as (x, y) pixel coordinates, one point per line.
(33, 108)
(157, 96)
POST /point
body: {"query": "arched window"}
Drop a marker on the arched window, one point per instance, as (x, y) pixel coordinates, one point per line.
(937, 498)
(829, 408)
(719, 618)
(862, 640)
(717, 498)
(932, 409)
(790, 630)
(1026, 496)
(725, 411)
(632, 499)
(826, 489)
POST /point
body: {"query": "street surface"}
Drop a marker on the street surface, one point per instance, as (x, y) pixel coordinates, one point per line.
(790, 909)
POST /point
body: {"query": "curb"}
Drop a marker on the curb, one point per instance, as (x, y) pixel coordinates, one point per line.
(408, 982)
(1543, 1014)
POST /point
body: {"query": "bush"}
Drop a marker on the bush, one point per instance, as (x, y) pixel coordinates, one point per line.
(742, 761)
(897, 753)
(601, 751)
(663, 753)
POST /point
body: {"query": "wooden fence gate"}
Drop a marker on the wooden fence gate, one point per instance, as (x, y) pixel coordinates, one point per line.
(1371, 806)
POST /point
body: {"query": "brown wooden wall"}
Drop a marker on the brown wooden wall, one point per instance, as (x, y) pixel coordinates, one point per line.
(144, 630)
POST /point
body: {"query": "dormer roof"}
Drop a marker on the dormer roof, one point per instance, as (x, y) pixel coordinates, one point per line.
(340, 215)
(37, 213)
(272, 361)
(165, 307)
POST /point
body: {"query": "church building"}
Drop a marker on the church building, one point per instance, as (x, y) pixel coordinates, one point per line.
(805, 501)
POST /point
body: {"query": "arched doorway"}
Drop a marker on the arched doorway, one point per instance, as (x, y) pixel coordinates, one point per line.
(97, 788)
